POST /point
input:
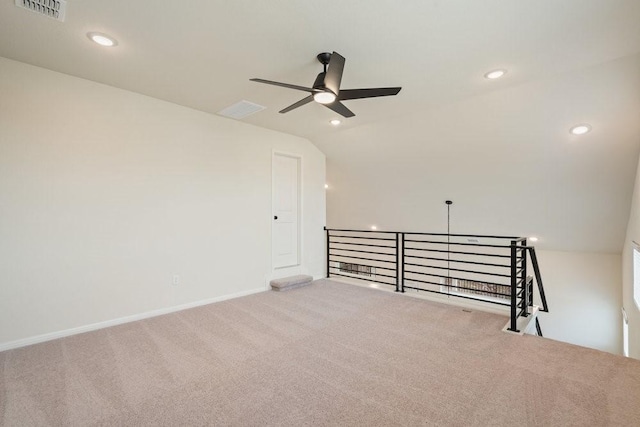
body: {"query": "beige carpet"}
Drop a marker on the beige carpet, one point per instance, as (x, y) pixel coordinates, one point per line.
(326, 354)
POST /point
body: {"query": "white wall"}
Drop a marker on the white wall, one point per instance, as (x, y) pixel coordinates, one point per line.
(105, 194)
(583, 292)
(633, 234)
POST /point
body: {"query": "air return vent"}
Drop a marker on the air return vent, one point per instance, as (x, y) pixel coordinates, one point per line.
(50, 8)
(241, 110)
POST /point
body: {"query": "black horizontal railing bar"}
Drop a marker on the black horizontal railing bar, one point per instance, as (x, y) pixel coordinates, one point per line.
(454, 260)
(430, 234)
(364, 244)
(457, 296)
(366, 259)
(367, 252)
(450, 277)
(372, 266)
(486, 236)
(366, 280)
(475, 254)
(341, 230)
(478, 245)
(512, 239)
(362, 237)
(458, 269)
(457, 252)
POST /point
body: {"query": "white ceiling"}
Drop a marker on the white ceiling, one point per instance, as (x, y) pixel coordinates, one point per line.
(201, 54)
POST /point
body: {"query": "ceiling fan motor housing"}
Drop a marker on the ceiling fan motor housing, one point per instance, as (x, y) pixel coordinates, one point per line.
(324, 58)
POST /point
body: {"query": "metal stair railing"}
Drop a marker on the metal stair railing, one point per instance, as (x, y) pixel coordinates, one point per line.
(464, 266)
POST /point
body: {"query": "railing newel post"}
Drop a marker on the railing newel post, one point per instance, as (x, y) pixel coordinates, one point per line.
(402, 270)
(327, 239)
(397, 262)
(525, 286)
(514, 289)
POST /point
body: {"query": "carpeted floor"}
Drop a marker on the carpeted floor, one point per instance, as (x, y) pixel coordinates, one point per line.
(326, 354)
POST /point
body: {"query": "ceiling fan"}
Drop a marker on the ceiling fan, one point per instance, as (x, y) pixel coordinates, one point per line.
(326, 88)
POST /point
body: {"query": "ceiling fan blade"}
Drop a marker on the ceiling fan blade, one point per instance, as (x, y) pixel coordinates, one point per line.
(297, 104)
(367, 93)
(339, 108)
(334, 73)
(287, 85)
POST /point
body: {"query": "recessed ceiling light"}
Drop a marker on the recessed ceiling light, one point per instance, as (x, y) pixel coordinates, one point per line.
(335, 122)
(373, 227)
(326, 186)
(580, 129)
(324, 97)
(495, 74)
(533, 239)
(102, 39)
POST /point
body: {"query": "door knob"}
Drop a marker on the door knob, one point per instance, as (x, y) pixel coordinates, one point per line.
(275, 217)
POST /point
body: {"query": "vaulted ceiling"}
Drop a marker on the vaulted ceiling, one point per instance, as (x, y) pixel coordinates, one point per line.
(568, 62)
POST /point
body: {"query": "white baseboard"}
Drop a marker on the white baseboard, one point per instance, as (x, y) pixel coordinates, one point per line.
(119, 321)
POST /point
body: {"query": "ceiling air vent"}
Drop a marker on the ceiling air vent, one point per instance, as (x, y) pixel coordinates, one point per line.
(241, 110)
(50, 8)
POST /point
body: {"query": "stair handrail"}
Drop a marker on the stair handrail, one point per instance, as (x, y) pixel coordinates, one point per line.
(536, 272)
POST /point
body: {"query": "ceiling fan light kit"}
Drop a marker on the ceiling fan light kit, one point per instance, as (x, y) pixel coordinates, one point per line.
(324, 97)
(326, 88)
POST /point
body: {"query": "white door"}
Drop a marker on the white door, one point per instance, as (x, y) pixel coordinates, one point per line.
(286, 210)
